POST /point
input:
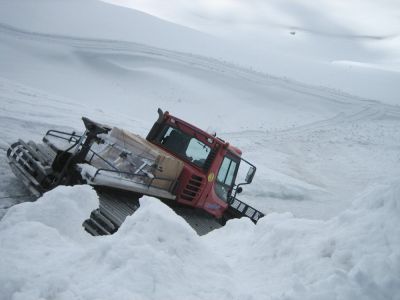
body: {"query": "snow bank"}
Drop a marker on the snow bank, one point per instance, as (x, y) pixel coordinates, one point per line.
(45, 254)
(355, 255)
(59, 211)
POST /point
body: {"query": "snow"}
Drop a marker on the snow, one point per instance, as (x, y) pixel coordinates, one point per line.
(353, 255)
(70, 18)
(318, 168)
(316, 47)
(328, 163)
(156, 254)
(286, 37)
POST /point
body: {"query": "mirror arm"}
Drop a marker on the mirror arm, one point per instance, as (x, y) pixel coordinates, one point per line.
(237, 186)
(245, 183)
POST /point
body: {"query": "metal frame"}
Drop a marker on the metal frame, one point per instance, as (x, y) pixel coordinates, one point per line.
(244, 183)
(171, 186)
(78, 140)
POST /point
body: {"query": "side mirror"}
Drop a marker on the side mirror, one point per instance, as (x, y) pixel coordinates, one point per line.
(239, 190)
(250, 174)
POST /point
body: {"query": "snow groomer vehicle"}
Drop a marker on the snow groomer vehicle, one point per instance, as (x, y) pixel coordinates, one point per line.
(190, 170)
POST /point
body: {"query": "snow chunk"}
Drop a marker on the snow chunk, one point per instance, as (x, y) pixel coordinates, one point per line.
(62, 209)
(154, 255)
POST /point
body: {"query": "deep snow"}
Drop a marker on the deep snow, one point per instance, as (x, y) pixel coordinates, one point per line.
(328, 164)
(156, 254)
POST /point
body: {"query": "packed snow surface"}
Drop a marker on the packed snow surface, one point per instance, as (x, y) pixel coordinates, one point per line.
(328, 165)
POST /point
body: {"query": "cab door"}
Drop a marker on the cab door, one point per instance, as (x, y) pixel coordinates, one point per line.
(225, 180)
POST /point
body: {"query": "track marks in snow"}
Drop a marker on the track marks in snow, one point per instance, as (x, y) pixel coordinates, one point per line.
(297, 167)
(319, 167)
(193, 61)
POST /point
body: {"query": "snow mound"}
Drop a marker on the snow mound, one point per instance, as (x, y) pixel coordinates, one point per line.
(354, 255)
(45, 254)
(60, 212)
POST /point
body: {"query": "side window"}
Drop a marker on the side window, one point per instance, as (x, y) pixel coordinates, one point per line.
(174, 140)
(223, 170)
(227, 171)
(225, 178)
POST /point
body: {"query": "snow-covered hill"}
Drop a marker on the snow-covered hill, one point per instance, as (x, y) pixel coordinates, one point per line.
(358, 61)
(350, 45)
(327, 161)
(97, 20)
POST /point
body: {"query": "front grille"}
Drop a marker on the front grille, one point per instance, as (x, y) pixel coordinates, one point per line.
(192, 188)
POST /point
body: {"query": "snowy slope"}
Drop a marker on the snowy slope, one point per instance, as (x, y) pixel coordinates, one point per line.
(317, 151)
(335, 56)
(350, 45)
(104, 71)
(94, 19)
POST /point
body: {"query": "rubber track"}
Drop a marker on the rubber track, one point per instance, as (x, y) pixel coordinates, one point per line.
(116, 205)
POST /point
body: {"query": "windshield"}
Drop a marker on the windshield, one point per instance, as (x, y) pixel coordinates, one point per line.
(184, 146)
